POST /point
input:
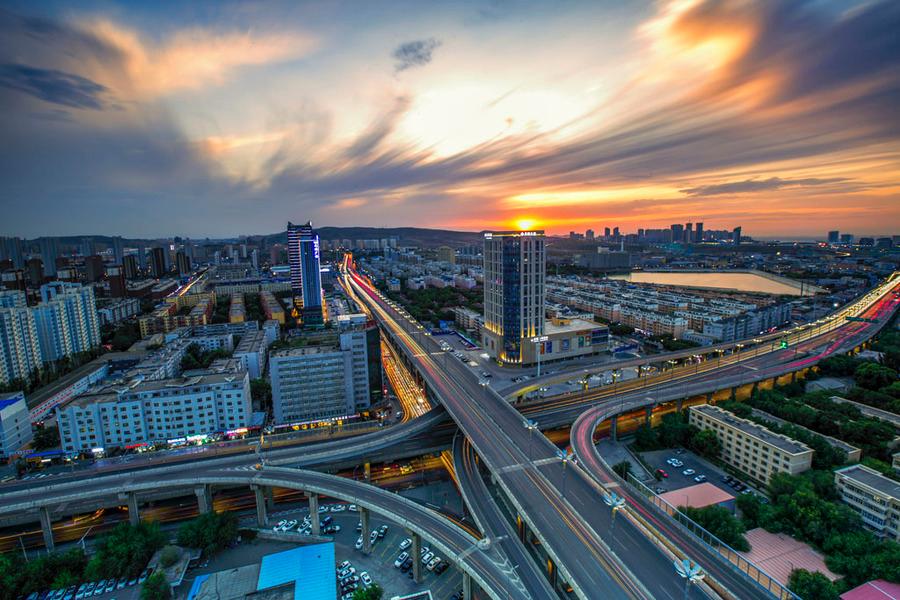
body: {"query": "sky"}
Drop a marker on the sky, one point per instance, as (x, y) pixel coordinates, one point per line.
(226, 118)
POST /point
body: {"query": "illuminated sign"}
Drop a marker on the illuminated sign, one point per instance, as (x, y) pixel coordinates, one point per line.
(488, 236)
(528, 233)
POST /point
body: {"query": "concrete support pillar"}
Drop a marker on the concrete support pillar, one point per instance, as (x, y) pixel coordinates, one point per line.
(204, 498)
(269, 493)
(416, 553)
(613, 429)
(733, 393)
(314, 513)
(679, 404)
(47, 529)
(134, 515)
(793, 376)
(262, 516)
(366, 530)
(467, 587)
(648, 414)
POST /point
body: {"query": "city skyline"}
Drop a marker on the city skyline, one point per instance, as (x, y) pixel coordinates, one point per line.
(206, 120)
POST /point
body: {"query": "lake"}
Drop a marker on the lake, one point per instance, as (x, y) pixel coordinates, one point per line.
(743, 281)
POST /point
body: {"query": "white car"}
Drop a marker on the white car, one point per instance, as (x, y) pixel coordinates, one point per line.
(343, 566)
(323, 509)
(688, 472)
(364, 577)
(373, 537)
(433, 563)
(427, 558)
(405, 544)
(352, 508)
(359, 543)
(399, 562)
(338, 508)
(289, 525)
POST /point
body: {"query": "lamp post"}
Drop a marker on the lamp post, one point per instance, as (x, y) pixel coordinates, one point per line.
(565, 457)
(530, 426)
(539, 339)
(691, 572)
(616, 503)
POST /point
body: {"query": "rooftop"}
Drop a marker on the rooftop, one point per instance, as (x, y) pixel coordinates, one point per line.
(697, 496)
(752, 429)
(570, 326)
(311, 568)
(871, 478)
(878, 589)
(10, 398)
(778, 554)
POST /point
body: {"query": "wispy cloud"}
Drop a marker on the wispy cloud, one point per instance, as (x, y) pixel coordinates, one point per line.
(55, 87)
(414, 54)
(758, 185)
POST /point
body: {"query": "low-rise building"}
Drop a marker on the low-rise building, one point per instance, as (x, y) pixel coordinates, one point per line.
(271, 307)
(237, 313)
(873, 496)
(750, 447)
(118, 311)
(566, 338)
(15, 424)
(251, 351)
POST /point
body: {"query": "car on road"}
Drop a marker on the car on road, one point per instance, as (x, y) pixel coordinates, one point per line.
(700, 478)
(433, 563)
(662, 473)
(688, 472)
(359, 543)
(405, 544)
(364, 577)
(326, 521)
(401, 559)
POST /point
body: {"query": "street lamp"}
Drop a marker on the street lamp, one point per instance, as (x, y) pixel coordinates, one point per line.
(539, 339)
(565, 457)
(615, 502)
(530, 426)
(691, 572)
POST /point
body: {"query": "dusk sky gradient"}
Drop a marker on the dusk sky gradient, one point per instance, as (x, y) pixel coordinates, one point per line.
(219, 119)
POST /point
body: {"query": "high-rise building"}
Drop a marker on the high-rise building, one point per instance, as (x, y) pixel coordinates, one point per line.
(736, 236)
(306, 278)
(446, 254)
(677, 232)
(49, 252)
(131, 267)
(15, 424)
(834, 237)
(254, 258)
(142, 257)
(66, 320)
(115, 276)
(11, 249)
(589, 234)
(93, 267)
(514, 271)
(606, 232)
(34, 271)
(158, 262)
(698, 234)
(87, 247)
(847, 238)
(688, 233)
(615, 233)
(13, 279)
(20, 352)
(182, 263)
(118, 250)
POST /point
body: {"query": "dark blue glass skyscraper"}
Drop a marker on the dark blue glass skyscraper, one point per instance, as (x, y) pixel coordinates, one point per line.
(306, 278)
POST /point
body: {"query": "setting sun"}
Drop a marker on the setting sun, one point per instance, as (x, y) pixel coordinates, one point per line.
(525, 224)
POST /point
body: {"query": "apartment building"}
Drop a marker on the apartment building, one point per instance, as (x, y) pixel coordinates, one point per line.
(190, 310)
(20, 352)
(237, 312)
(873, 496)
(251, 351)
(751, 448)
(66, 320)
(271, 307)
(15, 424)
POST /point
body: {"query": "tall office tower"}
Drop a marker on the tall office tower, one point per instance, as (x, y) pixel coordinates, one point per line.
(306, 278)
(254, 258)
(115, 276)
(49, 252)
(847, 238)
(66, 320)
(688, 233)
(158, 262)
(677, 232)
(698, 234)
(34, 271)
(142, 257)
(130, 264)
(243, 250)
(606, 232)
(615, 233)
(834, 237)
(514, 270)
(589, 234)
(87, 247)
(217, 258)
(20, 352)
(182, 263)
(11, 249)
(93, 267)
(118, 250)
(736, 236)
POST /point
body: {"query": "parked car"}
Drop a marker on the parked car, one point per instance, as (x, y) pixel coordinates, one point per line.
(405, 544)
(359, 543)
(662, 473)
(364, 577)
(688, 472)
(401, 559)
(700, 478)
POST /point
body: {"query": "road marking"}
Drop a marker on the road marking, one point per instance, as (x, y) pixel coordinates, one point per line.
(520, 466)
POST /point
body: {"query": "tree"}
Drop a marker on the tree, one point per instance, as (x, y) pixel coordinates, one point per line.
(125, 551)
(46, 437)
(168, 556)
(622, 469)
(839, 366)
(721, 523)
(156, 587)
(873, 376)
(706, 443)
(373, 592)
(261, 393)
(645, 438)
(210, 532)
(813, 586)
(752, 510)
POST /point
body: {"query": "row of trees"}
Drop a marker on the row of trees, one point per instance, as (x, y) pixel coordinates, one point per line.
(209, 532)
(430, 305)
(195, 357)
(673, 432)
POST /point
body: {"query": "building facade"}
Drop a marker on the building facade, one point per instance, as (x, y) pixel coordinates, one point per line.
(873, 496)
(67, 322)
(514, 272)
(750, 447)
(15, 423)
(306, 278)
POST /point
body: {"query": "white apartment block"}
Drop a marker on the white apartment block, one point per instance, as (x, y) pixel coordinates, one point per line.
(15, 424)
(67, 322)
(751, 448)
(875, 497)
(514, 270)
(20, 352)
(156, 411)
(251, 351)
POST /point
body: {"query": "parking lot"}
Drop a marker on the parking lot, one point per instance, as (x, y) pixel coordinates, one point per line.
(379, 565)
(677, 479)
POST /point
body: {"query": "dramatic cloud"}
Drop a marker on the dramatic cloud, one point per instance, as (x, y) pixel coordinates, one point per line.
(414, 54)
(53, 86)
(758, 185)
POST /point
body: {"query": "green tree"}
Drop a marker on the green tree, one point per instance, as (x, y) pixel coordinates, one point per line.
(812, 586)
(125, 551)
(873, 376)
(373, 592)
(839, 366)
(645, 438)
(706, 443)
(261, 393)
(156, 587)
(752, 510)
(674, 431)
(168, 556)
(622, 469)
(721, 523)
(210, 532)
(46, 437)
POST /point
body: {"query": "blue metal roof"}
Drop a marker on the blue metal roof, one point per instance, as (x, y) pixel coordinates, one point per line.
(10, 398)
(195, 588)
(311, 568)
